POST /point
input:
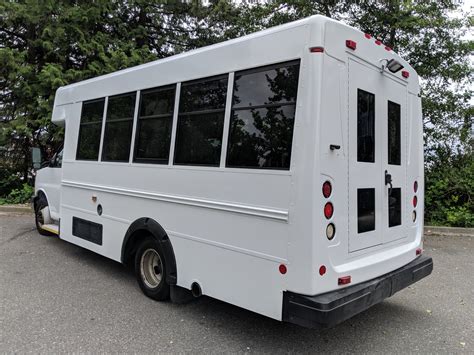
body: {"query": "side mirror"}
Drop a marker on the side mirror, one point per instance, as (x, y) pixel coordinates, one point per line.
(36, 158)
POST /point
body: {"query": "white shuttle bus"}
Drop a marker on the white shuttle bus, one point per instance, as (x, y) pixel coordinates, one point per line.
(281, 172)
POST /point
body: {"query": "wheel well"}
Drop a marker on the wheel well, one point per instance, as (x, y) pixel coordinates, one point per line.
(148, 228)
(39, 194)
(131, 245)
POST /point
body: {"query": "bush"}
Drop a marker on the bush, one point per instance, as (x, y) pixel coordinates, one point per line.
(16, 196)
(449, 191)
(8, 181)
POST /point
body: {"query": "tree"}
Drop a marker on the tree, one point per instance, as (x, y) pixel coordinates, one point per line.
(429, 35)
(47, 44)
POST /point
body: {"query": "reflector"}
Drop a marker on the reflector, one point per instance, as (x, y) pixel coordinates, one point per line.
(316, 49)
(344, 280)
(351, 44)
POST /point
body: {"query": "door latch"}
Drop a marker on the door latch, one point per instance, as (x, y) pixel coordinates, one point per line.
(388, 181)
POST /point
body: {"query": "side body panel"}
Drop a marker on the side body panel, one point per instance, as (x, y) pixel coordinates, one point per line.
(230, 228)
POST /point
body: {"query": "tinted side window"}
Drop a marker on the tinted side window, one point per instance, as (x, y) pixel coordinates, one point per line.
(201, 121)
(365, 126)
(262, 119)
(90, 130)
(118, 127)
(154, 125)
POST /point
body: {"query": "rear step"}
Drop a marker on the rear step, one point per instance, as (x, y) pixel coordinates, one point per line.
(52, 228)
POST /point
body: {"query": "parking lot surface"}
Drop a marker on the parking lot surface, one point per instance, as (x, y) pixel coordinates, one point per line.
(56, 297)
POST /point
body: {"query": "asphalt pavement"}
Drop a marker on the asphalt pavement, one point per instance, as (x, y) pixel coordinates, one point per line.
(57, 297)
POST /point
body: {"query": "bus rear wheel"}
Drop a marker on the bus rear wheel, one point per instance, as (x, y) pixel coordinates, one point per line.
(150, 270)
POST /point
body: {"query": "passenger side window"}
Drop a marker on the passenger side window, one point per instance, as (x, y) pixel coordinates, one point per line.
(154, 125)
(118, 127)
(201, 121)
(90, 130)
(262, 118)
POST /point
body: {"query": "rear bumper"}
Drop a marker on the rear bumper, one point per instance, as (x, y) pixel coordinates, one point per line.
(329, 309)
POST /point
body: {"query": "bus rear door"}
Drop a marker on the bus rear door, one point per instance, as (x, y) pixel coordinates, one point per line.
(377, 157)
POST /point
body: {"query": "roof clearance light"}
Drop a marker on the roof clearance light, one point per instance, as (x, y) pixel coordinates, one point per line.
(387, 48)
(351, 44)
(405, 74)
(378, 42)
(367, 36)
(394, 66)
(316, 49)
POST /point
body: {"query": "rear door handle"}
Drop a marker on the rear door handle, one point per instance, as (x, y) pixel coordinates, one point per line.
(388, 181)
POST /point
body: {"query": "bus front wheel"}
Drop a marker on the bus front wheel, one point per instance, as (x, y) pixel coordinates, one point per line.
(150, 270)
(39, 205)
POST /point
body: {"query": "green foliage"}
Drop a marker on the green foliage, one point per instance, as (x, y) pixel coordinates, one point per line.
(21, 195)
(449, 198)
(47, 44)
(8, 181)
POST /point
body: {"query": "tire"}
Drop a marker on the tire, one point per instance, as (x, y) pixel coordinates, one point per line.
(41, 203)
(150, 270)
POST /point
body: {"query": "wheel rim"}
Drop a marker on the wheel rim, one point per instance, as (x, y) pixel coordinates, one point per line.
(39, 217)
(151, 268)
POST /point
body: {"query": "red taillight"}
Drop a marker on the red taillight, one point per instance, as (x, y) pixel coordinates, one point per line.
(328, 210)
(405, 74)
(351, 44)
(415, 201)
(415, 186)
(282, 269)
(322, 270)
(368, 36)
(344, 280)
(327, 189)
(419, 251)
(316, 49)
(378, 42)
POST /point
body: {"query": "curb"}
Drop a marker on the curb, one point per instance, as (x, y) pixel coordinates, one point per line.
(16, 208)
(449, 231)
